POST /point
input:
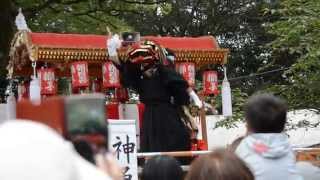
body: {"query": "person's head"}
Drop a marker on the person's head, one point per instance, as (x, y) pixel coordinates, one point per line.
(162, 168)
(30, 150)
(265, 113)
(84, 149)
(234, 145)
(219, 165)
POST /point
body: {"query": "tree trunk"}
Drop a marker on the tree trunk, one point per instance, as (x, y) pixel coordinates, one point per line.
(7, 21)
(7, 17)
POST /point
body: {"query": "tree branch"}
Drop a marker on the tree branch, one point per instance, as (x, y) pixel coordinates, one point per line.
(144, 2)
(31, 12)
(54, 10)
(87, 12)
(73, 2)
(101, 20)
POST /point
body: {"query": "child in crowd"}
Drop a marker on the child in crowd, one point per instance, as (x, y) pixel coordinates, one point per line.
(266, 149)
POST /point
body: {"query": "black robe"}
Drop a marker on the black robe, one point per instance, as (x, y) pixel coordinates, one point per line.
(162, 94)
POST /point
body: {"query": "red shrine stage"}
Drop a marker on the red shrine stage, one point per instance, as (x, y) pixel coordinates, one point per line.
(61, 51)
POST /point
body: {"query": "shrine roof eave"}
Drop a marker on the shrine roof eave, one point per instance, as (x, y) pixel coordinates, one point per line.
(91, 41)
(64, 48)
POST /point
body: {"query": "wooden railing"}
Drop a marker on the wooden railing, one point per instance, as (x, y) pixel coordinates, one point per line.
(302, 154)
(309, 154)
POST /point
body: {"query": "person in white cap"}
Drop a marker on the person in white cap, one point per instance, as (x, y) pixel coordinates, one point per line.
(33, 151)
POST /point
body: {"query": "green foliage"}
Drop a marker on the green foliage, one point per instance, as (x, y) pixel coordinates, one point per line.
(297, 44)
(239, 98)
(64, 16)
(79, 16)
(237, 25)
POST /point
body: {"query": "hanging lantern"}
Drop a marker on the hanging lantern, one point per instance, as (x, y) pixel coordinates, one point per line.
(110, 76)
(48, 82)
(80, 76)
(187, 70)
(210, 83)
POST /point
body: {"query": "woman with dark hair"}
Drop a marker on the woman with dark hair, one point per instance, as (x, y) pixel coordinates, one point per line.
(162, 168)
(219, 165)
(84, 149)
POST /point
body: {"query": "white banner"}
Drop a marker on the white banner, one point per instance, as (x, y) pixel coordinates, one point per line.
(123, 142)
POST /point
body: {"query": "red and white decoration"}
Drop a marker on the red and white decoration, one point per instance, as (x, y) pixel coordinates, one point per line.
(96, 86)
(48, 82)
(110, 76)
(80, 76)
(187, 70)
(199, 144)
(116, 111)
(210, 83)
(122, 94)
(23, 91)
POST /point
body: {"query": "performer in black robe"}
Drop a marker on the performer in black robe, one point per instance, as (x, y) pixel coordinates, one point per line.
(163, 91)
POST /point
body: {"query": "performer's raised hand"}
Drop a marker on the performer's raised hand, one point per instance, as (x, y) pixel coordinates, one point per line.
(113, 44)
(194, 98)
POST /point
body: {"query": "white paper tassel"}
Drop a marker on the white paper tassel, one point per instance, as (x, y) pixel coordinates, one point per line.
(226, 96)
(11, 107)
(34, 92)
(21, 21)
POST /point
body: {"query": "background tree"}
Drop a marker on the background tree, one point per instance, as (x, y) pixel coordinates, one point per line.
(297, 46)
(5, 37)
(64, 16)
(238, 26)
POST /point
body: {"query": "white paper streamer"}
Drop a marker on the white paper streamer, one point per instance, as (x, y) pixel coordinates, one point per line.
(34, 93)
(11, 107)
(226, 96)
(21, 21)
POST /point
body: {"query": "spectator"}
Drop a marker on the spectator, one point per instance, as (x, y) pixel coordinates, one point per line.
(29, 150)
(162, 168)
(266, 149)
(234, 145)
(84, 149)
(308, 170)
(219, 165)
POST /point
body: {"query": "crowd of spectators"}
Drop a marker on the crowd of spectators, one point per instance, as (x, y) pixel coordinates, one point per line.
(29, 150)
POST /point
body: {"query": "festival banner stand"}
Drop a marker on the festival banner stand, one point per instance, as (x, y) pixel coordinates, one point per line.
(123, 143)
